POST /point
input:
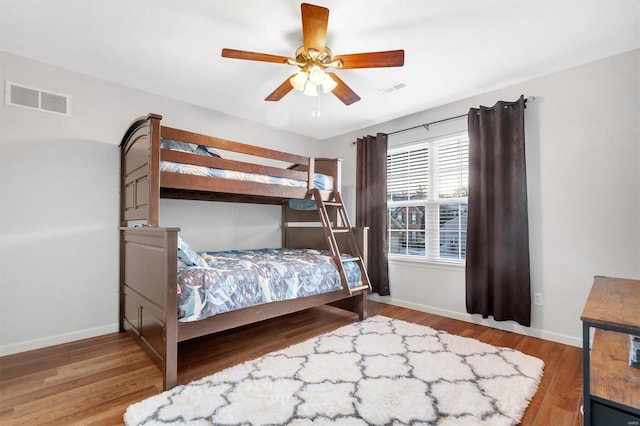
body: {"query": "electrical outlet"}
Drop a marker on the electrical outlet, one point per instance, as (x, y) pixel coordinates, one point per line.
(537, 299)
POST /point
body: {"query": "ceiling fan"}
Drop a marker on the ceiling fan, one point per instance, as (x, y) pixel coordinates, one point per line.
(314, 57)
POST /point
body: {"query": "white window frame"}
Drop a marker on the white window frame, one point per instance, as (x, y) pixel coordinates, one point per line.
(431, 204)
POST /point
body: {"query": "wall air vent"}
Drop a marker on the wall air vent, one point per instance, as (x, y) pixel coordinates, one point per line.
(36, 99)
(395, 86)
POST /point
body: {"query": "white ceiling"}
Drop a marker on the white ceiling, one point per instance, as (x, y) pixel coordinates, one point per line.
(453, 49)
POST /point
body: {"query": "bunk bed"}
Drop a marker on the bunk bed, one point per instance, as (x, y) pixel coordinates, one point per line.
(163, 162)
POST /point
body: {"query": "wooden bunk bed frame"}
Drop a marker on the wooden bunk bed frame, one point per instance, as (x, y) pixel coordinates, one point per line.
(148, 255)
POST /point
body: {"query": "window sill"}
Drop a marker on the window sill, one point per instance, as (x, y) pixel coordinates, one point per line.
(427, 263)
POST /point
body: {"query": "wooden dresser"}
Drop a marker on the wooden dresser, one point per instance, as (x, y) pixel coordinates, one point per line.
(611, 387)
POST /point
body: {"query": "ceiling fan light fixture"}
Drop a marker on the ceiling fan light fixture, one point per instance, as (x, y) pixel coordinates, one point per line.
(329, 84)
(316, 75)
(299, 80)
(310, 89)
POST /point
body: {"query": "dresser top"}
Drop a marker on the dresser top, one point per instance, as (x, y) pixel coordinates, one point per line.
(615, 302)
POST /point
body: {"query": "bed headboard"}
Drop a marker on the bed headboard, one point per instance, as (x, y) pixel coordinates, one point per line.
(139, 197)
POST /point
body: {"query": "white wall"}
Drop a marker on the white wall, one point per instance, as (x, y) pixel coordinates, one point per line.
(59, 202)
(58, 235)
(583, 164)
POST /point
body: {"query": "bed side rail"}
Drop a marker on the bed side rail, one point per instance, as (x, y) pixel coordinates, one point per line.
(259, 156)
(229, 145)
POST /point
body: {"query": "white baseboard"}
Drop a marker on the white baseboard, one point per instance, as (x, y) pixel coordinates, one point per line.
(28, 345)
(476, 319)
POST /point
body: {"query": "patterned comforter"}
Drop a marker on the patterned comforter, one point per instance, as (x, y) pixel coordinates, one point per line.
(241, 278)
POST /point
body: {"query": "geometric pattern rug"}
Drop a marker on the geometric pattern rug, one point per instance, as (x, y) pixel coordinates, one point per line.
(374, 372)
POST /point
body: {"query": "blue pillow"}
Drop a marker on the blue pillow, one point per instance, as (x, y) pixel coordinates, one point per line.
(207, 150)
(188, 256)
(303, 204)
(188, 147)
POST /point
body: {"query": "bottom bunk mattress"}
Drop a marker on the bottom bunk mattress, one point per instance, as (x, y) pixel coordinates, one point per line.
(238, 279)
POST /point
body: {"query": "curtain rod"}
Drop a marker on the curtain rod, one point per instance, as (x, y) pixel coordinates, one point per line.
(426, 125)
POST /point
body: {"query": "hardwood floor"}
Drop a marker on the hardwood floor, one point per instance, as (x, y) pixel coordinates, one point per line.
(93, 381)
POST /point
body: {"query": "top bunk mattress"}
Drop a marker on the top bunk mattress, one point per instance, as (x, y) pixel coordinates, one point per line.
(320, 181)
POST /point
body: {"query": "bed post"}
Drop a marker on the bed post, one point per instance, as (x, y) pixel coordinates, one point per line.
(311, 172)
(356, 303)
(121, 283)
(154, 170)
(170, 378)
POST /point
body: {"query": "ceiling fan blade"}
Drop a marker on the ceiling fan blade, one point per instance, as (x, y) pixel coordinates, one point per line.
(253, 56)
(281, 90)
(390, 58)
(343, 92)
(314, 26)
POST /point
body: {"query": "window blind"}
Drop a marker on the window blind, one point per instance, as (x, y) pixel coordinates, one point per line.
(427, 186)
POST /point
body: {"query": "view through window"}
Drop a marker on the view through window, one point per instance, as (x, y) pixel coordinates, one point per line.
(427, 185)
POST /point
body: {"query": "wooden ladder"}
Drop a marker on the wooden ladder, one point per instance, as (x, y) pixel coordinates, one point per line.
(330, 232)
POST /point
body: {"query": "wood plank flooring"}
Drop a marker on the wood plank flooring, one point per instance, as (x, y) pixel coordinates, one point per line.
(93, 381)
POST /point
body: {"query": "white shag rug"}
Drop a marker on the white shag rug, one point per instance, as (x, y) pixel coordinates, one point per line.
(374, 372)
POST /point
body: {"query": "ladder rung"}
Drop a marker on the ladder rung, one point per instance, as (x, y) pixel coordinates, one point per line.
(341, 229)
(362, 287)
(329, 231)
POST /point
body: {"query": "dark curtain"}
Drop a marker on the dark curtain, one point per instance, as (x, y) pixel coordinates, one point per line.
(371, 206)
(497, 259)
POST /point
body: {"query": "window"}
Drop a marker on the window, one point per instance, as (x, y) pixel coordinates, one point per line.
(427, 183)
